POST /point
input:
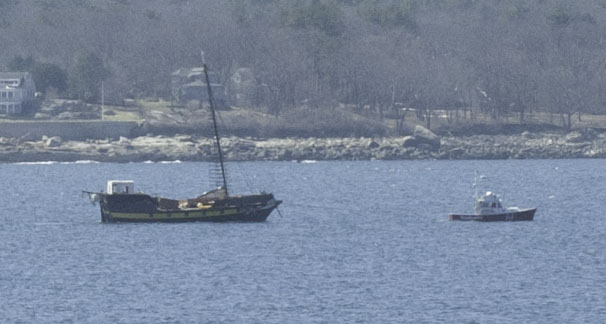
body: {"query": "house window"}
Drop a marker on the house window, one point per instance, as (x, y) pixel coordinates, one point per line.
(3, 95)
(3, 109)
(10, 95)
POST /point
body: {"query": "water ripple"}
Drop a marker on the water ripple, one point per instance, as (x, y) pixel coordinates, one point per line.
(365, 242)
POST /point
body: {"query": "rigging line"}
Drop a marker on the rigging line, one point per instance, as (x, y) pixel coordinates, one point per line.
(247, 180)
(212, 109)
(214, 170)
(245, 177)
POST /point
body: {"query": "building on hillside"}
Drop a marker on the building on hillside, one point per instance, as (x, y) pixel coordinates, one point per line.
(189, 84)
(17, 91)
(246, 91)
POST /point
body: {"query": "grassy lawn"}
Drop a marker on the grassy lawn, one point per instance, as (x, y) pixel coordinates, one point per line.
(122, 115)
(158, 104)
(439, 119)
(309, 122)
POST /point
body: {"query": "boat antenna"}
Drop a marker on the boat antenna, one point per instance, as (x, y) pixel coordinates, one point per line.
(475, 193)
(212, 109)
(475, 186)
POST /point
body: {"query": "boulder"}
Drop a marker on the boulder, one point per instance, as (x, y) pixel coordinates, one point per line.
(409, 141)
(423, 135)
(183, 138)
(527, 135)
(373, 145)
(589, 134)
(583, 135)
(65, 115)
(574, 137)
(52, 141)
(40, 115)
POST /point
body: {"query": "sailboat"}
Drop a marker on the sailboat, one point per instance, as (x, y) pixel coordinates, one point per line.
(121, 203)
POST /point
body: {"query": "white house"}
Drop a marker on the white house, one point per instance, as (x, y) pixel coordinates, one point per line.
(17, 90)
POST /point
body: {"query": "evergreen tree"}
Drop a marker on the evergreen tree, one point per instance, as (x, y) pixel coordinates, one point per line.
(86, 77)
(47, 75)
(20, 64)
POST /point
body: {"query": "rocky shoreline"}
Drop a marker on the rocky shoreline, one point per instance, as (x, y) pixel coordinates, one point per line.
(422, 145)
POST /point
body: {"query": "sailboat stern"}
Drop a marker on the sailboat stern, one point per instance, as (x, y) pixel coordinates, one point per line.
(257, 207)
(263, 211)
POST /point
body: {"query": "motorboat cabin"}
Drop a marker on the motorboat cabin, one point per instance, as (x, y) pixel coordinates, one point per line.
(488, 204)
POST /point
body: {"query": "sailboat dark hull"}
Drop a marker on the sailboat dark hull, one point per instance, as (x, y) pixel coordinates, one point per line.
(141, 208)
(522, 215)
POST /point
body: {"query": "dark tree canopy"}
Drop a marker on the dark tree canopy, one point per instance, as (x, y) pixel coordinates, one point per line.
(20, 64)
(45, 75)
(86, 77)
(49, 75)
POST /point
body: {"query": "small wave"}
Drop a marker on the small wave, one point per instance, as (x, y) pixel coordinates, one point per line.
(37, 163)
(51, 223)
(56, 162)
(149, 162)
(81, 162)
(169, 162)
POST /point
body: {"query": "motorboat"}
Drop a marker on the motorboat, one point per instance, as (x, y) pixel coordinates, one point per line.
(489, 208)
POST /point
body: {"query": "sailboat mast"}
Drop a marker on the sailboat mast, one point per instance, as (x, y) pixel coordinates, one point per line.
(218, 140)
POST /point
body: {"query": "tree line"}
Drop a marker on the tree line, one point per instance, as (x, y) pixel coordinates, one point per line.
(502, 56)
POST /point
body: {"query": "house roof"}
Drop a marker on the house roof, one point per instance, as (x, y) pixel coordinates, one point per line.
(13, 79)
(13, 75)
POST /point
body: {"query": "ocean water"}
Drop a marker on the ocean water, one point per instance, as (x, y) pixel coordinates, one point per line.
(356, 242)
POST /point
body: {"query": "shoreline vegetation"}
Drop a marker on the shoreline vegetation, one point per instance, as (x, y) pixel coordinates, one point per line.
(310, 79)
(421, 145)
(165, 133)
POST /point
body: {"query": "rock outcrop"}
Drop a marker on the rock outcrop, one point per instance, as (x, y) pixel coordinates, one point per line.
(420, 146)
(424, 136)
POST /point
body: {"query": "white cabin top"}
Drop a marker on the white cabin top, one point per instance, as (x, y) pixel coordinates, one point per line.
(120, 187)
(489, 203)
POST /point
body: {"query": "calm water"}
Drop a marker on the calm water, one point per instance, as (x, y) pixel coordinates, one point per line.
(365, 242)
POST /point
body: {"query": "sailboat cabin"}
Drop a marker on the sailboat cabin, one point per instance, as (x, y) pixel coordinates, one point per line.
(120, 187)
